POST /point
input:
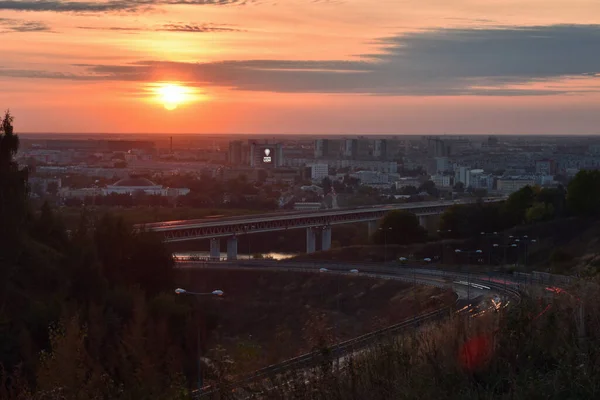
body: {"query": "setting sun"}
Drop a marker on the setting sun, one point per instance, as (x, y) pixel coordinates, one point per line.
(172, 95)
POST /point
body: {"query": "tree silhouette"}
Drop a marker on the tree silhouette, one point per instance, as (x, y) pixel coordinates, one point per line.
(13, 186)
(583, 195)
(400, 227)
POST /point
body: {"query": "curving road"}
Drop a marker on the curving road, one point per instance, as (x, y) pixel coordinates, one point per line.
(471, 289)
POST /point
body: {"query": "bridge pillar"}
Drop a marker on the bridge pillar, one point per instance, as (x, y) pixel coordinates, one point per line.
(232, 248)
(423, 221)
(311, 239)
(215, 249)
(326, 239)
(373, 227)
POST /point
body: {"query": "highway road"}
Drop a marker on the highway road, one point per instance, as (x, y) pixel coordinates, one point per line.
(466, 286)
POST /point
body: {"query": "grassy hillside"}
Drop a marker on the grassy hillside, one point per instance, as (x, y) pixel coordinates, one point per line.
(535, 350)
(268, 316)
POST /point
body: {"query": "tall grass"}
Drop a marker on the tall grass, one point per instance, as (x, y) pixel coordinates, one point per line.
(534, 350)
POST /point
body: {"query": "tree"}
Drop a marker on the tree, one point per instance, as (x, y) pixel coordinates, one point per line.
(459, 187)
(583, 194)
(400, 227)
(132, 258)
(539, 212)
(470, 219)
(52, 188)
(326, 183)
(480, 192)
(429, 188)
(409, 190)
(13, 187)
(517, 204)
(49, 229)
(555, 197)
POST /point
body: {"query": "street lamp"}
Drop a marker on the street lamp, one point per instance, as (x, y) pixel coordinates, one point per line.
(526, 241)
(440, 234)
(468, 253)
(505, 247)
(213, 293)
(246, 228)
(217, 293)
(489, 235)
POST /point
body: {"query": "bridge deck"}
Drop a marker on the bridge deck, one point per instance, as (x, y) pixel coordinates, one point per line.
(231, 226)
(183, 224)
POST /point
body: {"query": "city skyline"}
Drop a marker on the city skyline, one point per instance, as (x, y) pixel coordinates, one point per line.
(301, 66)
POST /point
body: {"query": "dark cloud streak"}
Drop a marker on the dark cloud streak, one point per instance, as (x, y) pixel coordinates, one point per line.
(437, 62)
(102, 6)
(8, 25)
(174, 27)
(198, 28)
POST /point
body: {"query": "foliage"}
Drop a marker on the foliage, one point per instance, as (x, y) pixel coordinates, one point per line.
(517, 204)
(539, 212)
(560, 256)
(530, 351)
(429, 188)
(583, 196)
(13, 192)
(74, 316)
(409, 190)
(528, 205)
(400, 227)
(326, 185)
(465, 220)
(459, 187)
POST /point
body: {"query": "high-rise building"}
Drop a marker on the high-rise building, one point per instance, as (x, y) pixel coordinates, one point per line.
(350, 148)
(509, 185)
(545, 167)
(441, 165)
(321, 148)
(380, 149)
(327, 148)
(319, 171)
(479, 180)
(236, 152)
(395, 149)
(437, 147)
(441, 180)
(463, 175)
(364, 149)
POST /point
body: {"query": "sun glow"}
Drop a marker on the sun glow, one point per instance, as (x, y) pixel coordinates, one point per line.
(172, 95)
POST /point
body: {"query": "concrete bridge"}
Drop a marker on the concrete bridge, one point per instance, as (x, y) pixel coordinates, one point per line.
(314, 222)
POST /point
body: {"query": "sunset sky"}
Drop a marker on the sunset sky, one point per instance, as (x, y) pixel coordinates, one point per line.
(302, 66)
